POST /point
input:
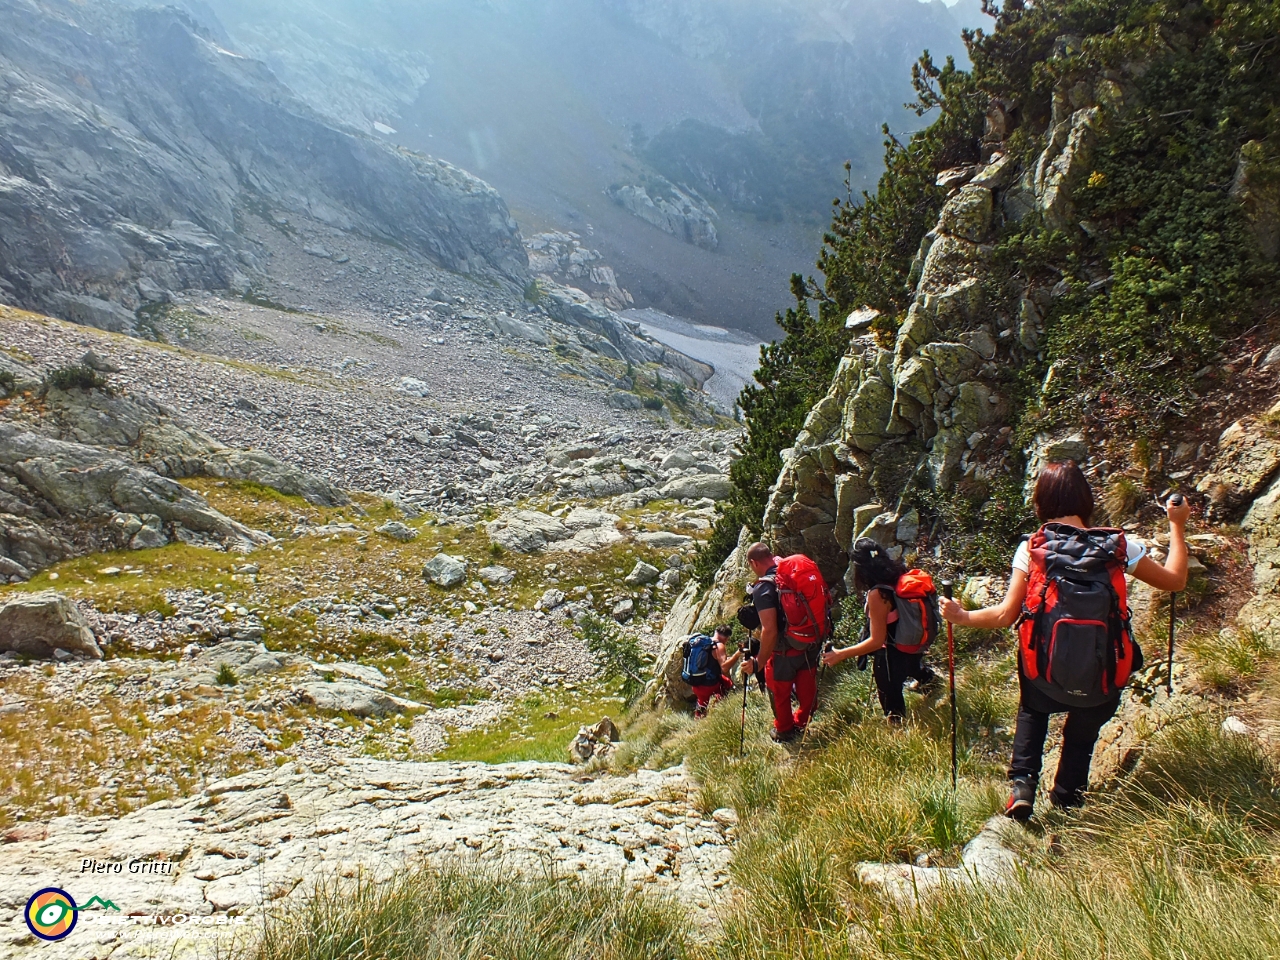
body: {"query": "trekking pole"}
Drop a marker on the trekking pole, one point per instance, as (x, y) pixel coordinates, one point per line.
(947, 587)
(1176, 500)
(742, 734)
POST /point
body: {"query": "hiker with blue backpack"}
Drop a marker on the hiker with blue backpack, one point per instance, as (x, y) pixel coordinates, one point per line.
(1067, 597)
(706, 667)
(902, 621)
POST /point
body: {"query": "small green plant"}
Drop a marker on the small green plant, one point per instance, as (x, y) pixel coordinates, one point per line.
(496, 549)
(619, 655)
(74, 377)
(227, 676)
(653, 403)
(7, 382)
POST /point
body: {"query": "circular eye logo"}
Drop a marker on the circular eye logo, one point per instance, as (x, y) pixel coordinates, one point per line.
(51, 913)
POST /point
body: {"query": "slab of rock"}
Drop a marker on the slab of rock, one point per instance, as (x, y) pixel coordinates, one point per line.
(623, 610)
(496, 575)
(663, 539)
(413, 387)
(247, 658)
(710, 485)
(398, 531)
(361, 673)
(987, 860)
(550, 600)
(357, 699)
(526, 531)
(1248, 459)
(445, 571)
(268, 838)
(38, 624)
(642, 573)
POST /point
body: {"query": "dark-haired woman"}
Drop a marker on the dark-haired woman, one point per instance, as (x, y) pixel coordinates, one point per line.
(1063, 496)
(875, 573)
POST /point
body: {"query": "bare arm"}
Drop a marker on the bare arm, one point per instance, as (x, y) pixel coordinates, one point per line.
(991, 618)
(1172, 576)
(768, 640)
(878, 616)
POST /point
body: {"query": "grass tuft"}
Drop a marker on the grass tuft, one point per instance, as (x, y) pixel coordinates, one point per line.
(470, 912)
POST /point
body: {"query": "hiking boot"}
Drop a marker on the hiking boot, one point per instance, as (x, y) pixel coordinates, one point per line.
(927, 686)
(1021, 801)
(791, 736)
(699, 712)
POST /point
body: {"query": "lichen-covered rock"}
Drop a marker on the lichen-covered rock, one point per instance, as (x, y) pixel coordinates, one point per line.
(445, 571)
(710, 485)
(37, 624)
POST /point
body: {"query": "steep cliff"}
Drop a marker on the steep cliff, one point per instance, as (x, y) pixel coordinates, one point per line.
(130, 143)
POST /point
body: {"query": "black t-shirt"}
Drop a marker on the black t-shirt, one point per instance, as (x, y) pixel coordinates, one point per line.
(764, 595)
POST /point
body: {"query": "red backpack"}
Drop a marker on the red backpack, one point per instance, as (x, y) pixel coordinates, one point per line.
(1075, 643)
(806, 602)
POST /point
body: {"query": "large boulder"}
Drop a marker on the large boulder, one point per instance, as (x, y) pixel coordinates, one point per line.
(37, 624)
(346, 696)
(526, 531)
(709, 485)
(445, 571)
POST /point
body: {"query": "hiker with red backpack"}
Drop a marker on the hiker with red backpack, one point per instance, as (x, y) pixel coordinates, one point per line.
(791, 602)
(902, 621)
(1076, 652)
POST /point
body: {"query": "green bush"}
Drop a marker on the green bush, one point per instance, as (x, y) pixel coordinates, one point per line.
(7, 382)
(75, 377)
(653, 403)
(227, 676)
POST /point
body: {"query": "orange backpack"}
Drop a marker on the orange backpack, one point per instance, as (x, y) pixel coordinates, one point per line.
(916, 602)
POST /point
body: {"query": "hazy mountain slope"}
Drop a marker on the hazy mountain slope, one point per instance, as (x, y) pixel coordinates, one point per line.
(129, 141)
(754, 103)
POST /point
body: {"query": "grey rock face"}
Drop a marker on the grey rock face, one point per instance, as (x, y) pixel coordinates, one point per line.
(445, 571)
(40, 624)
(72, 479)
(679, 212)
(141, 429)
(497, 575)
(292, 827)
(172, 135)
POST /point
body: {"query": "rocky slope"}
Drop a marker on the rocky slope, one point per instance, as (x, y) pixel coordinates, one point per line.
(243, 844)
(141, 144)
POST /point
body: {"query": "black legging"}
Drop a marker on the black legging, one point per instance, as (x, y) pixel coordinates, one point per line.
(1078, 738)
(892, 668)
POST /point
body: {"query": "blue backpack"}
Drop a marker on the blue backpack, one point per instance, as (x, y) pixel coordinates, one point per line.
(700, 668)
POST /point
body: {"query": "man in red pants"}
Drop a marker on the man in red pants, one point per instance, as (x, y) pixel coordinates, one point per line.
(787, 671)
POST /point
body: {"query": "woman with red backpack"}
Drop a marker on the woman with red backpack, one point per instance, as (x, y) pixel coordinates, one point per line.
(1067, 595)
(902, 620)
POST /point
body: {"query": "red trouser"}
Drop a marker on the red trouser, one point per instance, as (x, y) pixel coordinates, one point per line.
(717, 690)
(805, 686)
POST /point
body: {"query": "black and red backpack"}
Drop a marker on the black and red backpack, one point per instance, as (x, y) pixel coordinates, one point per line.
(1075, 642)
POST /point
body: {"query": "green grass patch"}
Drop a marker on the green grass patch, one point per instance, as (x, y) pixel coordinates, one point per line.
(471, 912)
(539, 727)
